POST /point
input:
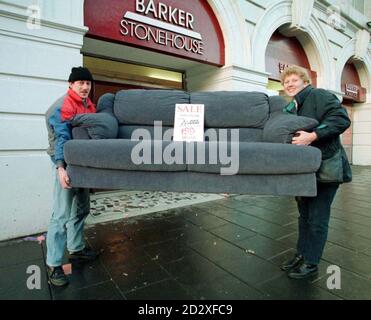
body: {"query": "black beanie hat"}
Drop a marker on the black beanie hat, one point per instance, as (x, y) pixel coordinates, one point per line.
(80, 73)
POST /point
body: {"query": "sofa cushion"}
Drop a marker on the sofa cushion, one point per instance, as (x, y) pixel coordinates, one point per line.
(256, 158)
(97, 125)
(224, 134)
(80, 133)
(123, 154)
(276, 103)
(234, 134)
(127, 131)
(143, 107)
(281, 127)
(206, 157)
(105, 103)
(233, 109)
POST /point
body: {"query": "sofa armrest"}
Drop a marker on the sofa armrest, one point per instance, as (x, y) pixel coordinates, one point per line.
(80, 133)
(281, 127)
(97, 125)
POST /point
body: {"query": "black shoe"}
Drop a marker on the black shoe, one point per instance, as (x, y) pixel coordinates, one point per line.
(293, 263)
(304, 271)
(84, 254)
(57, 276)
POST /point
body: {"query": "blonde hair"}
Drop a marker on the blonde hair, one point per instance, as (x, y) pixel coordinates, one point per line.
(299, 71)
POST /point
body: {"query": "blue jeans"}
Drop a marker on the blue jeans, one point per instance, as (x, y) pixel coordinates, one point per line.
(70, 209)
(313, 222)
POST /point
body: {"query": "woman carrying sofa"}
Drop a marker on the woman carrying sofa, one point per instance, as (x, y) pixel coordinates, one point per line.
(314, 212)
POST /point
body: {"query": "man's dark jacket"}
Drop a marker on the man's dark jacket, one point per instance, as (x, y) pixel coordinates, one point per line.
(326, 108)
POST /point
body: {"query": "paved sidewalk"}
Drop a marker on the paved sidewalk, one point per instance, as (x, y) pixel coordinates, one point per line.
(223, 249)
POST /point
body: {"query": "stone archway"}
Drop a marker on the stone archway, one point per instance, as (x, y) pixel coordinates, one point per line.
(362, 65)
(237, 53)
(232, 23)
(362, 111)
(313, 41)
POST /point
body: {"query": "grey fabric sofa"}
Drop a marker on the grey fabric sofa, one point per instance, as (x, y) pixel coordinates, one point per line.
(248, 125)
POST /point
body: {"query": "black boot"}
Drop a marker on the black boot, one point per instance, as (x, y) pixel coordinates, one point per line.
(304, 271)
(84, 254)
(292, 263)
(57, 276)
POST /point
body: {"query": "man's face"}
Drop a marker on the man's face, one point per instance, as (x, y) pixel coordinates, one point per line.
(81, 87)
(293, 84)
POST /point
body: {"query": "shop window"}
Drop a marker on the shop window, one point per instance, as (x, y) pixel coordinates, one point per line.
(111, 76)
(131, 74)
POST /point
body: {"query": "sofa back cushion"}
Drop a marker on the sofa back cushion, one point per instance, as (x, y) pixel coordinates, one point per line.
(143, 107)
(276, 103)
(145, 132)
(233, 109)
(166, 133)
(105, 103)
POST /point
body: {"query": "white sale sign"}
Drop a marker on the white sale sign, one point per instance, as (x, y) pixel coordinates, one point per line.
(189, 122)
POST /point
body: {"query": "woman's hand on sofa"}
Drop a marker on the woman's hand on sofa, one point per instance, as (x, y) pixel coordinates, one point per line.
(304, 138)
(64, 180)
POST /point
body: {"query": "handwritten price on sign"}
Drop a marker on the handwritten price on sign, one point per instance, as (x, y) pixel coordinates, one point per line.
(188, 131)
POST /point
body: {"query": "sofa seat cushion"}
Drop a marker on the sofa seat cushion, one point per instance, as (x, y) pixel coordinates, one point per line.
(123, 154)
(258, 158)
(227, 158)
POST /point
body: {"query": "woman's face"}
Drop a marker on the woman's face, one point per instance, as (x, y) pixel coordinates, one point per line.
(293, 84)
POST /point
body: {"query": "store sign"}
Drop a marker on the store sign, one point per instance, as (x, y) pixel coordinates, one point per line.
(276, 68)
(171, 27)
(182, 28)
(354, 92)
(351, 90)
(282, 67)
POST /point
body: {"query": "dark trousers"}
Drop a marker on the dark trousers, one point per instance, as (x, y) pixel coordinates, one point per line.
(313, 222)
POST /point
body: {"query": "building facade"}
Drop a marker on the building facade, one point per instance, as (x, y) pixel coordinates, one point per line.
(191, 45)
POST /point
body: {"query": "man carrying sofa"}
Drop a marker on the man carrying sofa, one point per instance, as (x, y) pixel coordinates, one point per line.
(70, 205)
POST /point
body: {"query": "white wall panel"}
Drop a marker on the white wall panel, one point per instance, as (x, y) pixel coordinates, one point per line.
(362, 114)
(22, 132)
(29, 95)
(362, 155)
(362, 139)
(25, 194)
(362, 134)
(362, 127)
(252, 11)
(35, 59)
(69, 12)
(34, 67)
(335, 35)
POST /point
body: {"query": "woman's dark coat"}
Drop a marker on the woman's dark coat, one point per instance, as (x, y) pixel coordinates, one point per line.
(326, 108)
